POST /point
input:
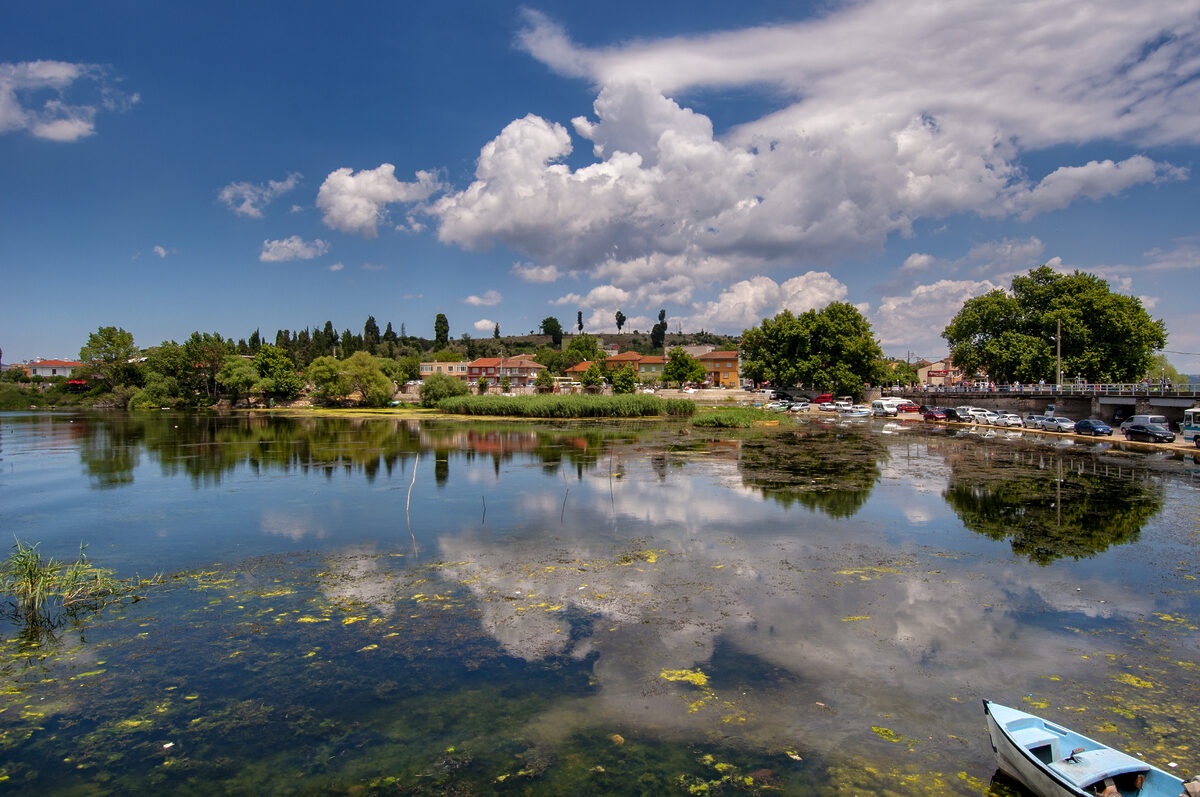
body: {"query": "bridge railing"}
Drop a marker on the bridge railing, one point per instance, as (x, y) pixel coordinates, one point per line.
(1070, 389)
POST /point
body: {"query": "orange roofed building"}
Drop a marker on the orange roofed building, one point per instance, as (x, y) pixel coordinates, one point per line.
(520, 370)
(721, 368)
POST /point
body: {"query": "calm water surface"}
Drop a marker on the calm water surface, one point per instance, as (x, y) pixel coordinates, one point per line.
(387, 606)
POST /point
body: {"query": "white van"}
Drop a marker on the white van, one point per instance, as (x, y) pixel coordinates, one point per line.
(886, 406)
(1159, 419)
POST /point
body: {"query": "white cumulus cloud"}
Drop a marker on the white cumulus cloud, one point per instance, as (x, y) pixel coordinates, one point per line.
(917, 319)
(356, 202)
(293, 248)
(531, 272)
(488, 299)
(485, 325)
(745, 304)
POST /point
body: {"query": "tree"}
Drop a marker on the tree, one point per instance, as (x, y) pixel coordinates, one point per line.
(441, 331)
(364, 375)
(581, 348)
(237, 375)
(620, 320)
(830, 349)
(682, 367)
(551, 327)
(625, 380)
(278, 373)
(481, 385)
(505, 384)
(439, 386)
(579, 321)
(593, 376)
(326, 375)
(544, 380)
(658, 333)
(107, 354)
(370, 334)
(1106, 337)
(1160, 368)
(496, 331)
(206, 354)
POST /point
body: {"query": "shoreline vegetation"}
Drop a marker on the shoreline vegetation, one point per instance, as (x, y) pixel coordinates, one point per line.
(574, 406)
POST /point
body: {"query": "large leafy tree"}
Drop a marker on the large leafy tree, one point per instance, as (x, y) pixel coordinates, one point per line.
(278, 373)
(107, 354)
(206, 352)
(581, 348)
(682, 367)
(552, 327)
(829, 349)
(1010, 335)
(620, 319)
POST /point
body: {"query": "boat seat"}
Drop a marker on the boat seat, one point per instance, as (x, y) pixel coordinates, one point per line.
(1031, 738)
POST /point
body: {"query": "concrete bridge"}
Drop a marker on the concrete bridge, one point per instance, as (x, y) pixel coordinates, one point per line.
(1073, 401)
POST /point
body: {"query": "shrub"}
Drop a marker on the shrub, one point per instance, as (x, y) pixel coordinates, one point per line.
(733, 418)
(441, 386)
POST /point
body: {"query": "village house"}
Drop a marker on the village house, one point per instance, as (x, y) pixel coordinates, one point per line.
(940, 373)
(650, 367)
(521, 370)
(618, 361)
(456, 370)
(52, 368)
(721, 368)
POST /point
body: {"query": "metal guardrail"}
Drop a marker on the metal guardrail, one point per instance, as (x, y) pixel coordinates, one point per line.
(1082, 389)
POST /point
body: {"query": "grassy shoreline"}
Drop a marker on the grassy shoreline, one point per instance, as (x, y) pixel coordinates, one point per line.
(567, 407)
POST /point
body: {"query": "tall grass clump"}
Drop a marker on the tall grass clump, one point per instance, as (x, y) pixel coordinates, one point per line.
(733, 418)
(45, 591)
(566, 407)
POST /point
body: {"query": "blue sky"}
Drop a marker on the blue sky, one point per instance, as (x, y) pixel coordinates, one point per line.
(231, 166)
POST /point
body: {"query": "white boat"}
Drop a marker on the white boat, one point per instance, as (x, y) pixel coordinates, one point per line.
(855, 411)
(1052, 761)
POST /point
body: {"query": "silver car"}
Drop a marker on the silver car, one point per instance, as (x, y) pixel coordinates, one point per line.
(1058, 425)
(1034, 421)
(1009, 419)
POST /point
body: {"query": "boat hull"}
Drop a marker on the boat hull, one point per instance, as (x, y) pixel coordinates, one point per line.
(1052, 761)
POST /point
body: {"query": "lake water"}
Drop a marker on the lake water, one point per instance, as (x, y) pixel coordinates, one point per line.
(382, 605)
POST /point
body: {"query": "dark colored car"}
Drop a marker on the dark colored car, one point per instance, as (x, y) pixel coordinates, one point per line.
(1149, 433)
(938, 414)
(908, 406)
(954, 415)
(1093, 426)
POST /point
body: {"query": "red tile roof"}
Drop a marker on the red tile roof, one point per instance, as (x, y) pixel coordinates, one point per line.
(579, 368)
(630, 356)
(57, 363)
(718, 355)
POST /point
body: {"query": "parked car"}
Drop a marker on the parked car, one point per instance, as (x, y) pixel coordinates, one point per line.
(908, 406)
(938, 414)
(1034, 421)
(824, 398)
(1149, 433)
(1093, 426)
(799, 406)
(1058, 424)
(1008, 419)
(956, 414)
(986, 417)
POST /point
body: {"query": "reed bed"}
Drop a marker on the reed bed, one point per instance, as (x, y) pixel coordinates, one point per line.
(734, 418)
(570, 406)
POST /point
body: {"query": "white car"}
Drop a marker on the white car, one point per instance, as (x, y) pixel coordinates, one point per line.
(1009, 419)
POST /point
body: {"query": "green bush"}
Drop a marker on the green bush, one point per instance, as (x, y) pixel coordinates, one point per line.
(581, 406)
(441, 386)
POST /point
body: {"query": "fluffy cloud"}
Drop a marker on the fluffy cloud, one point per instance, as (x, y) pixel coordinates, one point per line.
(866, 140)
(161, 251)
(22, 84)
(917, 319)
(488, 299)
(746, 303)
(249, 199)
(600, 296)
(356, 203)
(485, 325)
(531, 272)
(293, 248)
(1095, 180)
